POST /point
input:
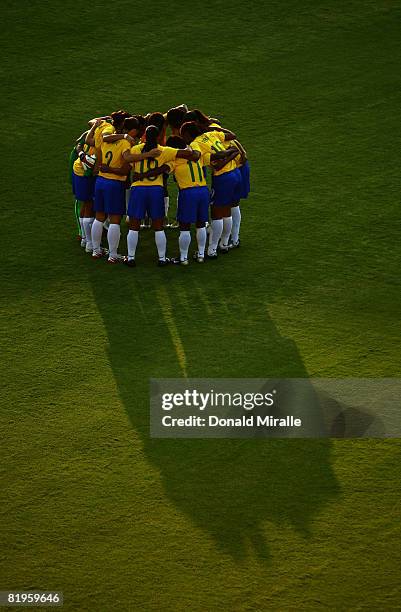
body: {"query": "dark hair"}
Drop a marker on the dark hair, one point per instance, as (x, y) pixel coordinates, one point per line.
(131, 123)
(192, 129)
(156, 119)
(141, 124)
(176, 142)
(175, 117)
(118, 117)
(198, 116)
(151, 138)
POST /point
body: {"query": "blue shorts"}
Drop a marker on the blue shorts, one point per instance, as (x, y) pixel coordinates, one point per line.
(246, 183)
(227, 188)
(148, 200)
(193, 205)
(109, 196)
(83, 187)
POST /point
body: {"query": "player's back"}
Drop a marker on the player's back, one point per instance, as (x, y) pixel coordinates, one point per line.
(112, 156)
(188, 173)
(144, 165)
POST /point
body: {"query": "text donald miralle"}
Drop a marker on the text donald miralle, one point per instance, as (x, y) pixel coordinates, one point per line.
(204, 401)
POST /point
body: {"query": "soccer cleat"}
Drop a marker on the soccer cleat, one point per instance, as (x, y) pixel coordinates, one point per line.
(97, 255)
(88, 248)
(223, 249)
(163, 262)
(198, 258)
(212, 255)
(114, 260)
(234, 245)
(179, 262)
(83, 242)
(130, 262)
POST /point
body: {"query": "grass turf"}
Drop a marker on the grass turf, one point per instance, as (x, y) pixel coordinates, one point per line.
(91, 505)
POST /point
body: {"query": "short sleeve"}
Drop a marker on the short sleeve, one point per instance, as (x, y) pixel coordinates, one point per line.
(108, 130)
(206, 159)
(136, 149)
(196, 147)
(169, 154)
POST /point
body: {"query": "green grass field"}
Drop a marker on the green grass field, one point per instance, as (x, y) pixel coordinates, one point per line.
(90, 504)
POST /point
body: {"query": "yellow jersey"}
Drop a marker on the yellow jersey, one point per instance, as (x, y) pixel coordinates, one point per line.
(213, 142)
(237, 160)
(228, 144)
(220, 144)
(78, 168)
(102, 130)
(112, 155)
(188, 173)
(168, 155)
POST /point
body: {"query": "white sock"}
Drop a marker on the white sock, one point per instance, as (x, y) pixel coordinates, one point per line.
(166, 205)
(132, 241)
(201, 240)
(81, 223)
(97, 231)
(161, 243)
(113, 238)
(227, 225)
(183, 242)
(87, 227)
(236, 215)
(217, 229)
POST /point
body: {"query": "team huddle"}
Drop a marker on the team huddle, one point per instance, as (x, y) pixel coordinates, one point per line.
(120, 168)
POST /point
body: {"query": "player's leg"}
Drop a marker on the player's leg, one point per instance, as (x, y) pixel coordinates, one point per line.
(87, 212)
(166, 199)
(100, 217)
(236, 217)
(115, 208)
(81, 222)
(235, 211)
(77, 207)
(184, 240)
(136, 212)
(220, 210)
(88, 221)
(113, 237)
(225, 234)
(186, 215)
(132, 240)
(202, 216)
(155, 208)
(233, 191)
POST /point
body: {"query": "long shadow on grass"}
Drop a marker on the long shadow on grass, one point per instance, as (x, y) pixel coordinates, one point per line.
(196, 322)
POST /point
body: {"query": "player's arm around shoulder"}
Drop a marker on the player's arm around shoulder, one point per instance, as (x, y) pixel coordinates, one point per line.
(188, 154)
(135, 153)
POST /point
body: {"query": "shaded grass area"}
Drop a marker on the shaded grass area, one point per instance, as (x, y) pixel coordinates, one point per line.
(91, 505)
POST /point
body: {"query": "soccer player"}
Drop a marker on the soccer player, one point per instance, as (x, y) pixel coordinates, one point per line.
(147, 193)
(83, 183)
(226, 180)
(110, 191)
(193, 202)
(103, 126)
(242, 163)
(78, 207)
